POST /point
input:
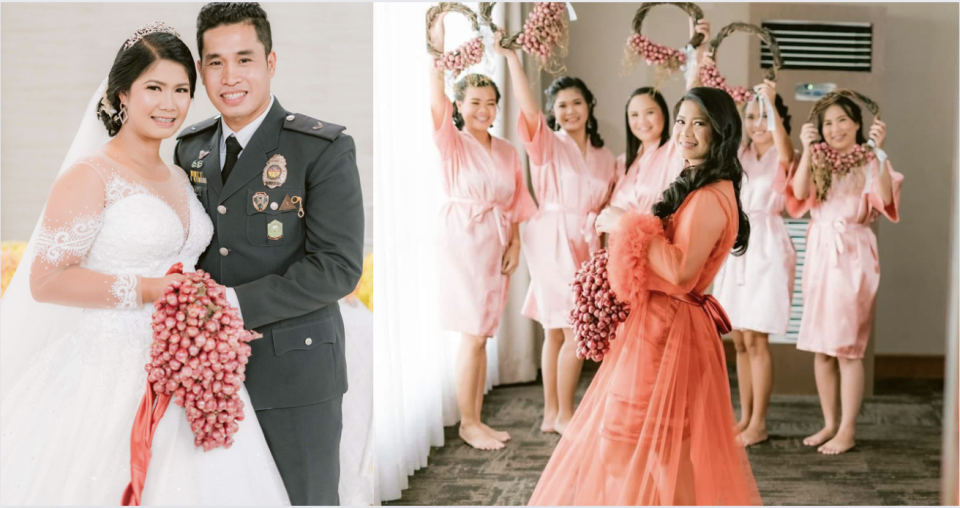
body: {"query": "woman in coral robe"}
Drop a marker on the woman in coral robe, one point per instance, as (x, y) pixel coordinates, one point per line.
(755, 288)
(842, 270)
(479, 238)
(656, 425)
(571, 175)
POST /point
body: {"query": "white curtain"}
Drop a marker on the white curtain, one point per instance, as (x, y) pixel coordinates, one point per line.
(413, 359)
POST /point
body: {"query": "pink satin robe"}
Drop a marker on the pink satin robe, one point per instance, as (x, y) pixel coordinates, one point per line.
(571, 192)
(756, 288)
(485, 194)
(842, 270)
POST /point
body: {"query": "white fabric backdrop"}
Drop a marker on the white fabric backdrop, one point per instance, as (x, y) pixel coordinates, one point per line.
(413, 359)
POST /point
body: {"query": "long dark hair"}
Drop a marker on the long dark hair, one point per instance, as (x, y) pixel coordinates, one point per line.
(562, 83)
(721, 163)
(130, 63)
(633, 142)
(849, 107)
(460, 93)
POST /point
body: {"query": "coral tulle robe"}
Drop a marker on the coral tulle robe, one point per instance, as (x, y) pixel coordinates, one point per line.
(641, 186)
(485, 195)
(656, 425)
(571, 191)
(842, 270)
(755, 289)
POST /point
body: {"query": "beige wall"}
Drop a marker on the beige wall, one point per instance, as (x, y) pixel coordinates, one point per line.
(596, 56)
(55, 55)
(919, 104)
(918, 100)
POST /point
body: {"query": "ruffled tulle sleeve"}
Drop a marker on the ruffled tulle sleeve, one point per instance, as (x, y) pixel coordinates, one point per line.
(522, 207)
(539, 143)
(447, 137)
(627, 263)
(891, 211)
(643, 258)
(70, 225)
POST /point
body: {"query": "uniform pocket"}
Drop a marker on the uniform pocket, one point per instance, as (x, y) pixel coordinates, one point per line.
(267, 226)
(304, 337)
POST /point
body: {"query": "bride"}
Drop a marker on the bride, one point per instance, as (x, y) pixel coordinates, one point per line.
(76, 324)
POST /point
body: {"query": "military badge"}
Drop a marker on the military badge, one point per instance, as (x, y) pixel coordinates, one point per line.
(275, 230)
(275, 172)
(260, 201)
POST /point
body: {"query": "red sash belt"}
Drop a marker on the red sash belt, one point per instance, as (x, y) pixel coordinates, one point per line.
(711, 306)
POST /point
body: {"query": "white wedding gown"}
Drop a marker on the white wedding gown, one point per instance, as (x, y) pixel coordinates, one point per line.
(65, 426)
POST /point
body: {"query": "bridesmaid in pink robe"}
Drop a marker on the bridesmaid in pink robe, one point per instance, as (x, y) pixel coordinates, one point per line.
(572, 175)
(479, 241)
(755, 288)
(842, 270)
(651, 163)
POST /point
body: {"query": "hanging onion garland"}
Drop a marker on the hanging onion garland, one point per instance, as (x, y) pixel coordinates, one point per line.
(664, 59)
(545, 34)
(825, 162)
(710, 75)
(469, 53)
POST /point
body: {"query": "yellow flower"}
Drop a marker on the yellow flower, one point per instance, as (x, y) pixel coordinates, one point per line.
(364, 289)
(10, 255)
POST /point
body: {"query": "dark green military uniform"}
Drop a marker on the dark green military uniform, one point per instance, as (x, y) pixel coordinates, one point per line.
(289, 271)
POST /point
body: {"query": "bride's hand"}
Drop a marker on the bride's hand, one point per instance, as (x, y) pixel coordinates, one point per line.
(152, 288)
(608, 219)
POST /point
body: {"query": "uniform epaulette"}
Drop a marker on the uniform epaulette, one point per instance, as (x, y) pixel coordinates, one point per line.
(312, 126)
(199, 127)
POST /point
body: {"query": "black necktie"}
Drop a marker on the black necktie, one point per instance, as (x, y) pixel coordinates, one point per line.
(233, 153)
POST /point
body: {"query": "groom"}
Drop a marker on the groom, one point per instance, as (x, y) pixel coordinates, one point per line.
(283, 192)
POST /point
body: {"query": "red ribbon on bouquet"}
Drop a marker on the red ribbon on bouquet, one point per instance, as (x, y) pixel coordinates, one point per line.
(152, 407)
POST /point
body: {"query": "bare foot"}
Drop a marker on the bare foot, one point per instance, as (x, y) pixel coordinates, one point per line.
(499, 435)
(561, 425)
(840, 443)
(549, 417)
(475, 436)
(820, 437)
(752, 436)
(742, 425)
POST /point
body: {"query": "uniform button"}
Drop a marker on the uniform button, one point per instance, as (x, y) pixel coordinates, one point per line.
(308, 341)
(274, 205)
(290, 118)
(222, 209)
(224, 251)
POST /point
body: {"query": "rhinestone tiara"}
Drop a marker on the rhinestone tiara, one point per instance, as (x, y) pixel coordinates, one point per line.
(150, 28)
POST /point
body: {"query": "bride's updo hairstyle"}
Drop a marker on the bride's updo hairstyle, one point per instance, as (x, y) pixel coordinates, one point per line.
(137, 55)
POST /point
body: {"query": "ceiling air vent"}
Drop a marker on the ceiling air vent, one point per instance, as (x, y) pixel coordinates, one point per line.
(823, 46)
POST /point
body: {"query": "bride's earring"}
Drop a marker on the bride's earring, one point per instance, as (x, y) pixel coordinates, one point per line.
(122, 116)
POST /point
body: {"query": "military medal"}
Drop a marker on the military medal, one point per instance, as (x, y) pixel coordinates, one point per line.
(197, 164)
(287, 204)
(203, 153)
(260, 201)
(275, 172)
(275, 230)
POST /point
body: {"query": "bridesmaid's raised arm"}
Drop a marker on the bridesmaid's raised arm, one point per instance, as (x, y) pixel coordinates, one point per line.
(521, 87)
(702, 27)
(801, 181)
(781, 140)
(438, 99)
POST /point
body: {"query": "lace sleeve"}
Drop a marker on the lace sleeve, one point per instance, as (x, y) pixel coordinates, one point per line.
(70, 224)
